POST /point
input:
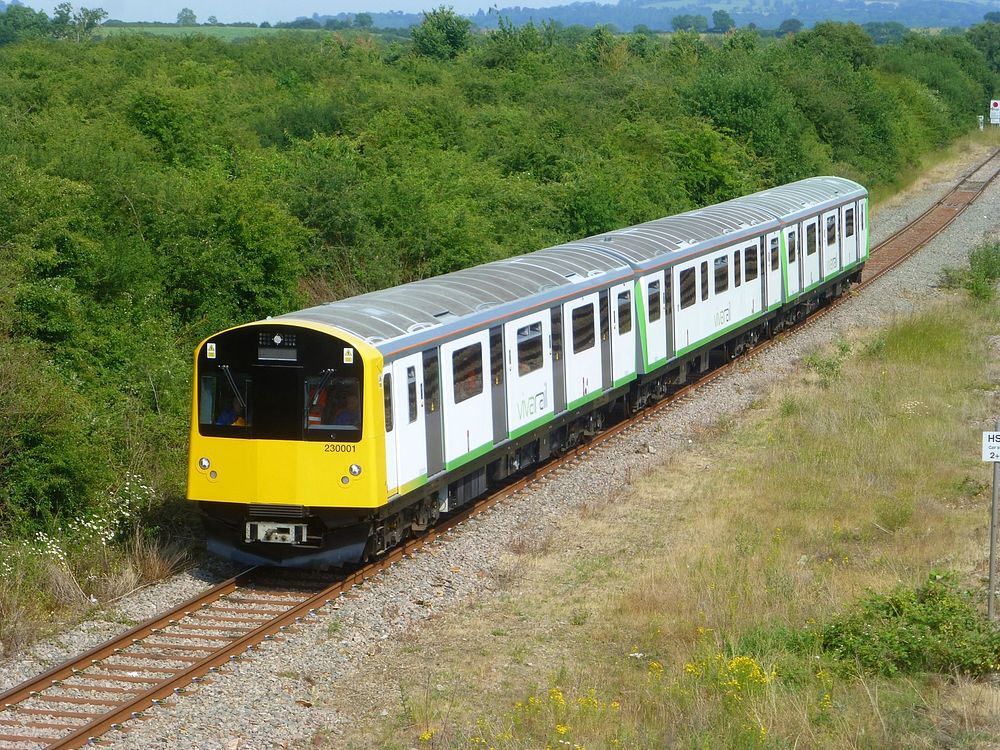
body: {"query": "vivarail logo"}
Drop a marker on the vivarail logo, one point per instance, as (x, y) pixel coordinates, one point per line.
(532, 405)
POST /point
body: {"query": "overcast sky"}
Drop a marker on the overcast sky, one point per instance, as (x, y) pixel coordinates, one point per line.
(263, 10)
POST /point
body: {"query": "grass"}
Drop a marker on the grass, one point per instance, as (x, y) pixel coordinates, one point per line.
(694, 615)
(225, 33)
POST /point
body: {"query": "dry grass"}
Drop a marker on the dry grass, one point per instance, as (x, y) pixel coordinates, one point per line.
(686, 619)
(39, 589)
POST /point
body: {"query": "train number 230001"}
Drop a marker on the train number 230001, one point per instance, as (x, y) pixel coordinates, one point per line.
(338, 448)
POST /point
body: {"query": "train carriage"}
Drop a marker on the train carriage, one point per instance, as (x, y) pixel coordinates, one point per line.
(328, 434)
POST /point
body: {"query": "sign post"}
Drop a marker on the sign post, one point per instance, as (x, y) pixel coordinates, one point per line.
(994, 111)
(991, 453)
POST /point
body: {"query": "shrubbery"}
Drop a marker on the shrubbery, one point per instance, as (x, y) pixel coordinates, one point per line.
(934, 627)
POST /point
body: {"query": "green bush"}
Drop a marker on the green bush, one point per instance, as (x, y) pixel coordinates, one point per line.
(934, 627)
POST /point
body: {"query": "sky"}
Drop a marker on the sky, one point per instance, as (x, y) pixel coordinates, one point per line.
(228, 11)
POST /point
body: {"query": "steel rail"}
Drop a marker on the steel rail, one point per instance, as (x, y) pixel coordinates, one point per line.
(930, 223)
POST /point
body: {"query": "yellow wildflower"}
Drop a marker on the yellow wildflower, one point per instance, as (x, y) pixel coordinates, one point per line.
(562, 728)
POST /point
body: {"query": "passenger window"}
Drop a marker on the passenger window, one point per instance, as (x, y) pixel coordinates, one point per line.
(411, 392)
(624, 312)
(831, 230)
(737, 269)
(667, 299)
(583, 328)
(387, 400)
(750, 262)
(721, 274)
(653, 300)
(704, 279)
(467, 371)
(430, 382)
(556, 334)
(775, 260)
(849, 222)
(811, 239)
(688, 291)
(793, 241)
(496, 355)
(605, 317)
(529, 348)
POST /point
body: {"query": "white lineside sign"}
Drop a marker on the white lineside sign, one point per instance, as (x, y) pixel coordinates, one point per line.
(995, 112)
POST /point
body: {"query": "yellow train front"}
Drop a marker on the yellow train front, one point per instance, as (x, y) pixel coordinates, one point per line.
(286, 443)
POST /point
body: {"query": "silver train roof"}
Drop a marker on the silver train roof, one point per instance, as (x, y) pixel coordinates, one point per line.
(399, 318)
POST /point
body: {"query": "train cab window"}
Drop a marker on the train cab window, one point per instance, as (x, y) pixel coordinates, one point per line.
(775, 259)
(653, 300)
(223, 400)
(688, 288)
(332, 402)
(624, 312)
(750, 262)
(704, 280)
(721, 274)
(849, 222)
(811, 239)
(467, 370)
(387, 400)
(529, 348)
(411, 393)
(831, 230)
(793, 241)
(861, 215)
(583, 328)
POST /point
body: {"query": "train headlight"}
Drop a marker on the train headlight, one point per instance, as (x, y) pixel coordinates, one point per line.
(355, 470)
(345, 480)
(204, 463)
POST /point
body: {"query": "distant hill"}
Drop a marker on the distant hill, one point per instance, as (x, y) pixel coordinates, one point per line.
(658, 14)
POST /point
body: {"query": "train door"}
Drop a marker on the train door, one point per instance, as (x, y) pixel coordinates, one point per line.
(468, 401)
(622, 334)
(391, 481)
(831, 243)
(651, 310)
(529, 372)
(793, 262)
(772, 271)
(849, 233)
(581, 350)
(863, 229)
(408, 422)
(810, 264)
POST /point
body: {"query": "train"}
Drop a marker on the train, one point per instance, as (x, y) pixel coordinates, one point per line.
(325, 436)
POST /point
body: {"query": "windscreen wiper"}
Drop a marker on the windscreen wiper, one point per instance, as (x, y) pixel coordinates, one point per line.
(232, 384)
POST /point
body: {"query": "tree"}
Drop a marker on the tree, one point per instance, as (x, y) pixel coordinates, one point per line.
(85, 21)
(992, 17)
(19, 21)
(722, 21)
(986, 38)
(213, 21)
(186, 17)
(689, 23)
(363, 20)
(443, 34)
(790, 26)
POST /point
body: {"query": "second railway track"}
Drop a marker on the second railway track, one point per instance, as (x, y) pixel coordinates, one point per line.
(74, 704)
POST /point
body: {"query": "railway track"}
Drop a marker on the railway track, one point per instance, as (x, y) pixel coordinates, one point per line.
(74, 704)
